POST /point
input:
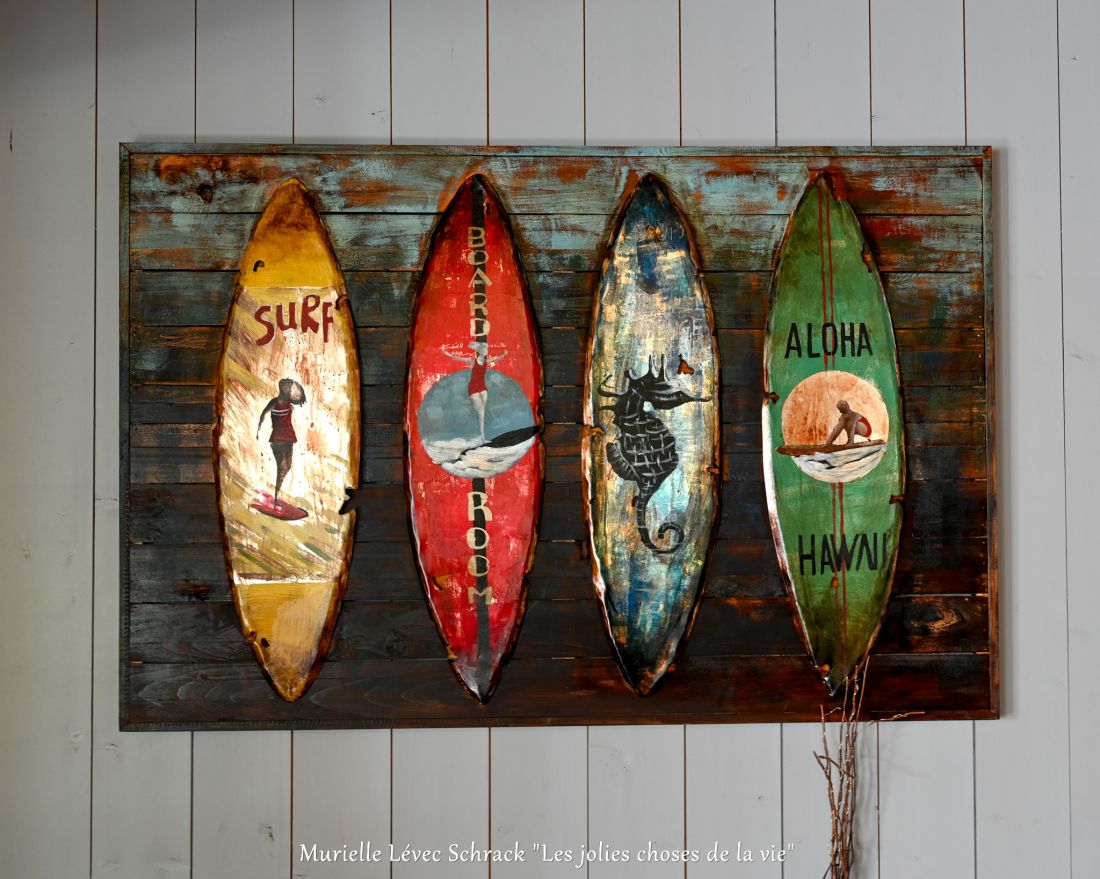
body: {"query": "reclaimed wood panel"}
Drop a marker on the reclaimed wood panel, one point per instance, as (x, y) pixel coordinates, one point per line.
(942, 606)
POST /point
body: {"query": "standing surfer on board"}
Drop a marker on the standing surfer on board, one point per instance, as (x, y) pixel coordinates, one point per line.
(477, 388)
(851, 423)
(282, 437)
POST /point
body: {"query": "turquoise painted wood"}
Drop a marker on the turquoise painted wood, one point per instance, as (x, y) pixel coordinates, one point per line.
(650, 449)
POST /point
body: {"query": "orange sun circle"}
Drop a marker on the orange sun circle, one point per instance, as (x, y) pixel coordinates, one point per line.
(810, 412)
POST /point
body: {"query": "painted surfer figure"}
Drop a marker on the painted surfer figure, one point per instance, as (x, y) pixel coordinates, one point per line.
(477, 389)
(851, 423)
(282, 437)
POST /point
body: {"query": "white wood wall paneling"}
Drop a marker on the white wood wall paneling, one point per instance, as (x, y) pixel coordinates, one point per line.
(244, 58)
(341, 796)
(635, 798)
(918, 88)
(243, 83)
(635, 773)
(632, 72)
(342, 71)
(822, 82)
(1022, 760)
(539, 785)
(440, 798)
(1080, 84)
(728, 72)
(47, 100)
(536, 72)
(823, 97)
(926, 770)
(340, 786)
(733, 779)
(440, 82)
(439, 72)
(538, 778)
(141, 783)
(241, 780)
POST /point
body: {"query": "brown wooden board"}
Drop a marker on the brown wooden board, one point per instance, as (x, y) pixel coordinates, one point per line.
(187, 213)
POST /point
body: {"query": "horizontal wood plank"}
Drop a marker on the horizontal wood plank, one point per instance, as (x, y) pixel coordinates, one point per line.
(561, 299)
(548, 242)
(929, 356)
(367, 630)
(545, 692)
(548, 184)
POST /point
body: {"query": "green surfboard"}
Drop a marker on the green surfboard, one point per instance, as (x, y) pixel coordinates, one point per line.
(833, 433)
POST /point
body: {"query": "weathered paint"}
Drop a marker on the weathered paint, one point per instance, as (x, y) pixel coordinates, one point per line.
(474, 455)
(287, 401)
(650, 446)
(833, 499)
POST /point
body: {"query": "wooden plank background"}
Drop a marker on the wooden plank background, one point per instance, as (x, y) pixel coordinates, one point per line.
(190, 211)
(950, 798)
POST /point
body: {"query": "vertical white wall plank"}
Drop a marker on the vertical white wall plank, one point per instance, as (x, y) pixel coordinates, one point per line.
(1080, 83)
(1021, 761)
(439, 72)
(636, 797)
(244, 69)
(632, 72)
(926, 782)
(728, 67)
(917, 88)
(440, 798)
(241, 780)
(141, 783)
(342, 71)
(635, 773)
(822, 79)
(926, 793)
(440, 776)
(341, 789)
(539, 795)
(823, 97)
(734, 772)
(47, 103)
(241, 805)
(341, 779)
(536, 72)
(734, 795)
(538, 780)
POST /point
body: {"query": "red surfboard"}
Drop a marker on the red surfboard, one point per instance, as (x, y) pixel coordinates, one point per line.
(474, 456)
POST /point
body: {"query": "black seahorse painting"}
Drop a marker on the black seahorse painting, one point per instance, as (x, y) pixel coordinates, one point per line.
(645, 451)
(650, 439)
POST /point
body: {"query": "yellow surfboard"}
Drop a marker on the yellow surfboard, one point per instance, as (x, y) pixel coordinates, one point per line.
(287, 440)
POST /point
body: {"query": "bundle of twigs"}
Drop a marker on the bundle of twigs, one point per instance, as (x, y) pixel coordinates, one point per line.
(841, 775)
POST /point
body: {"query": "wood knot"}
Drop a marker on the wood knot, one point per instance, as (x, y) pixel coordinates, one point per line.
(206, 192)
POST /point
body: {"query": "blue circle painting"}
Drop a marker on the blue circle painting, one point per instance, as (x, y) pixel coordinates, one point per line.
(476, 435)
